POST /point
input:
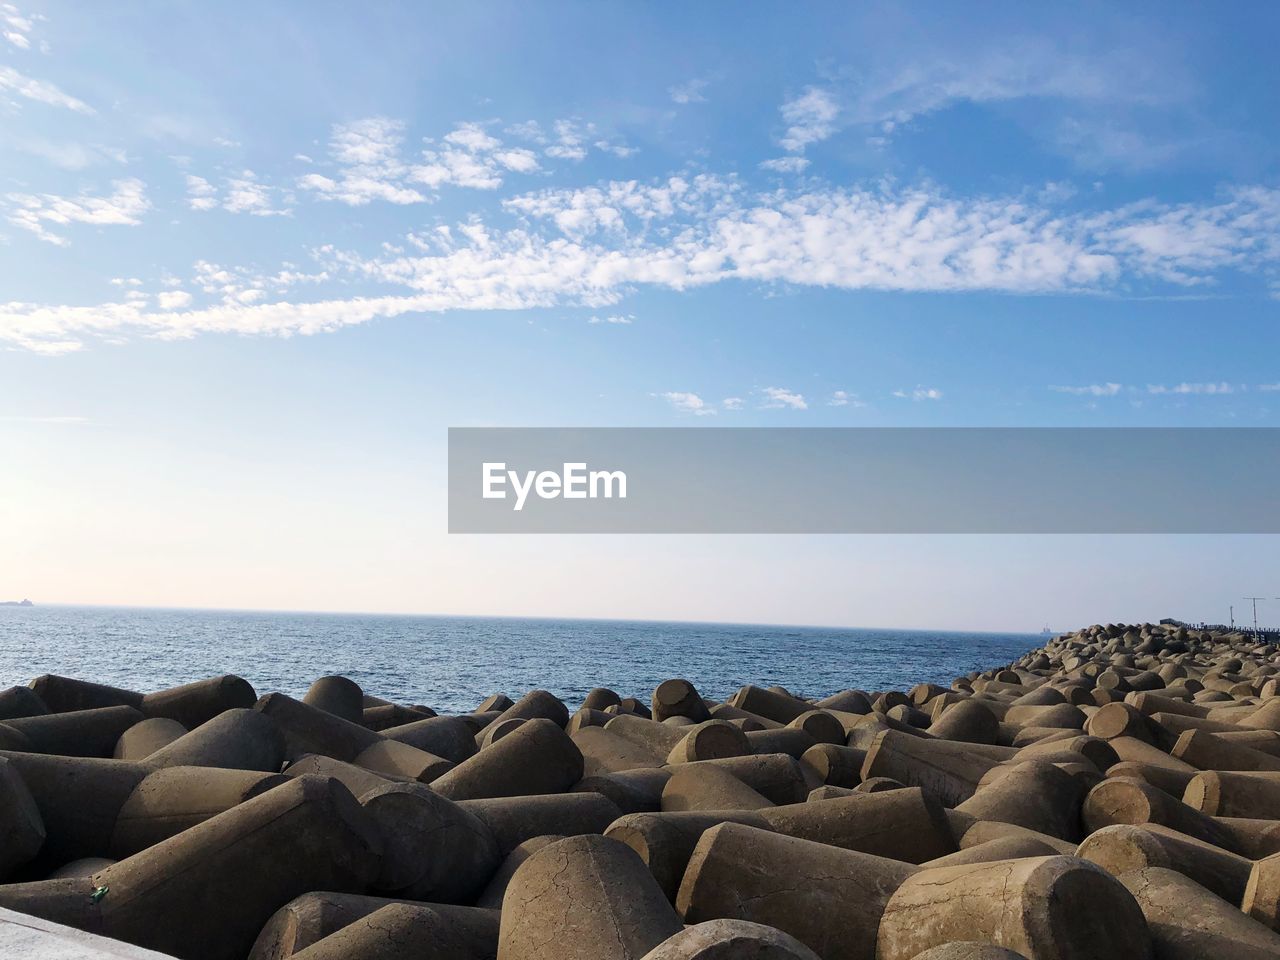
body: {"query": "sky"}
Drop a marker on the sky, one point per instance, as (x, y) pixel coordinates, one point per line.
(255, 261)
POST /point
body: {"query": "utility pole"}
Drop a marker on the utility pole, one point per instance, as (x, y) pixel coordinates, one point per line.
(1232, 609)
(1255, 612)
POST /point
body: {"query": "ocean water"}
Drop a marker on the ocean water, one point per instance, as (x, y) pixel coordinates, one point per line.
(452, 663)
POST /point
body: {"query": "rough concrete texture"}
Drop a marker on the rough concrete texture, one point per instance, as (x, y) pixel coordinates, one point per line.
(399, 930)
(1045, 908)
(584, 898)
(731, 940)
(1187, 922)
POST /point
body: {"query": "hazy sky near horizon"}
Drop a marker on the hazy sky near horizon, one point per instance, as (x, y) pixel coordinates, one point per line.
(254, 261)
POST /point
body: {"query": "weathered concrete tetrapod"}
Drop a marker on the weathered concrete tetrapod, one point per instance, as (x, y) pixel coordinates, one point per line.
(1136, 802)
(906, 825)
(206, 893)
(950, 771)
(678, 698)
(1123, 848)
(666, 841)
(538, 704)
(774, 775)
(238, 739)
(970, 721)
(1262, 893)
(698, 787)
(65, 694)
(827, 898)
(21, 826)
(1222, 793)
(836, 765)
(1035, 795)
(634, 791)
(433, 849)
(584, 898)
(447, 737)
(968, 950)
(513, 820)
(400, 930)
(1188, 922)
(195, 703)
(603, 751)
(79, 733)
(491, 897)
(356, 779)
(339, 696)
(713, 740)
(312, 917)
(146, 737)
(174, 799)
(1045, 908)
(731, 940)
(538, 758)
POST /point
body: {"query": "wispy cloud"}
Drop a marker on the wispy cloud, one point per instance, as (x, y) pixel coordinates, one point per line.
(15, 26)
(1269, 387)
(690, 91)
(810, 118)
(623, 319)
(688, 403)
(842, 398)
(785, 164)
(1205, 389)
(34, 212)
(732, 403)
(40, 91)
(779, 398)
(1091, 390)
(592, 247)
(919, 393)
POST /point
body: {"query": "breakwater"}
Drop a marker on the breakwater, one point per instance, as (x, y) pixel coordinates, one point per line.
(1114, 793)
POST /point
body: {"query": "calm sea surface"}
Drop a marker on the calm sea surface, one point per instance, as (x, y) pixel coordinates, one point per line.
(452, 663)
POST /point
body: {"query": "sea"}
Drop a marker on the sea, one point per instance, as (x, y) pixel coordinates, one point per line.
(453, 663)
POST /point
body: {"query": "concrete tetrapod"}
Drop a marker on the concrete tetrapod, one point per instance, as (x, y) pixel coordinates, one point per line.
(491, 897)
(1187, 922)
(584, 898)
(1262, 893)
(65, 694)
(356, 779)
(310, 918)
(774, 775)
(538, 704)
(678, 698)
(339, 696)
(950, 771)
(433, 848)
(731, 940)
(1035, 795)
(666, 841)
(447, 737)
(827, 898)
(145, 738)
(968, 950)
(1122, 849)
(634, 791)
(195, 703)
(513, 820)
(80, 733)
(21, 826)
(1122, 800)
(74, 828)
(697, 787)
(400, 930)
(237, 739)
(1221, 793)
(1045, 908)
(205, 893)
(174, 799)
(21, 702)
(906, 825)
(539, 757)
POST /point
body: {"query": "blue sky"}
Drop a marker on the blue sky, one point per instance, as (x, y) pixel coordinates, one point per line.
(254, 262)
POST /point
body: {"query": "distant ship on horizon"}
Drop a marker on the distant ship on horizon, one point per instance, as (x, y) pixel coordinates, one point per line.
(1046, 632)
(16, 603)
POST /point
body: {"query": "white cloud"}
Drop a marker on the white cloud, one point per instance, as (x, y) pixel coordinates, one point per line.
(16, 26)
(688, 403)
(1269, 387)
(173, 299)
(33, 212)
(40, 91)
(842, 398)
(616, 318)
(732, 403)
(810, 118)
(785, 164)
(1206, 389)
(919, 393)
(371, 165)
(201, 194)
(1090, 390)
(777, 398)
(593, 247)
(689, 92)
